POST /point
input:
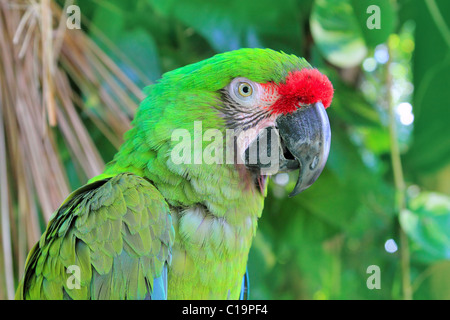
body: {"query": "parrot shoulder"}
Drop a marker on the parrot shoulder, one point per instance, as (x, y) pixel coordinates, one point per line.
(110, 239)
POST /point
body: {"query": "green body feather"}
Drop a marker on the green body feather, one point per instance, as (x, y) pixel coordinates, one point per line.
(119, 229)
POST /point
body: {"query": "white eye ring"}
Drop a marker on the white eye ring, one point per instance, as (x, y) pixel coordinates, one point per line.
(243, 90)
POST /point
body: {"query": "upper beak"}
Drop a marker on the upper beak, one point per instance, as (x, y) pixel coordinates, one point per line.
(305, 139)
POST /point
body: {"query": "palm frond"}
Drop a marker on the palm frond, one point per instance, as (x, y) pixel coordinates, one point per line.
(52, 80)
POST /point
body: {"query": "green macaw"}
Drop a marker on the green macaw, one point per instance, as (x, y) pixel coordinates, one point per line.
(174, 213)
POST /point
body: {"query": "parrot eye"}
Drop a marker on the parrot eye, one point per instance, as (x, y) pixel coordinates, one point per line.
(245, 89)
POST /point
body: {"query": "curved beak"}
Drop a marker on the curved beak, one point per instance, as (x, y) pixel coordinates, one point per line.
(305, 141)
(301, 140)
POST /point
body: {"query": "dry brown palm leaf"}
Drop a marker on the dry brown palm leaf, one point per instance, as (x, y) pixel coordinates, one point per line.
(47, 72)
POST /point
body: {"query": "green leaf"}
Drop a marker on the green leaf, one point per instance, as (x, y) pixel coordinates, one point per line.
(141, 48)
(367, 10)
(337, 33)
(344, 30)
(434, 282)
(427, 224)
(232, 24)
(131, 40)
(430, 149)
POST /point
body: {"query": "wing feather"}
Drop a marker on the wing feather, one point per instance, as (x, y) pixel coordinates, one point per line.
(116, 234)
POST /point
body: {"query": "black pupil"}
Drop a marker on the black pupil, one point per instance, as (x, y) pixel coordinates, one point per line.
(245, 89)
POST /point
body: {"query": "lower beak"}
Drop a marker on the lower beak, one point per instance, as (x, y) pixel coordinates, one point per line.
(305, 141)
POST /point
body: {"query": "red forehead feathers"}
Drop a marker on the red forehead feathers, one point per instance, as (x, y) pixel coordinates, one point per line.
(306, 86)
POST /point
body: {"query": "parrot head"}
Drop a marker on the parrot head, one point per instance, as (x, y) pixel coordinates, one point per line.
(293, 127)
(274, 103)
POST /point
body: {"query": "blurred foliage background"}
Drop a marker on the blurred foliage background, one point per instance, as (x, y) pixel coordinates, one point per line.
(67, 96)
